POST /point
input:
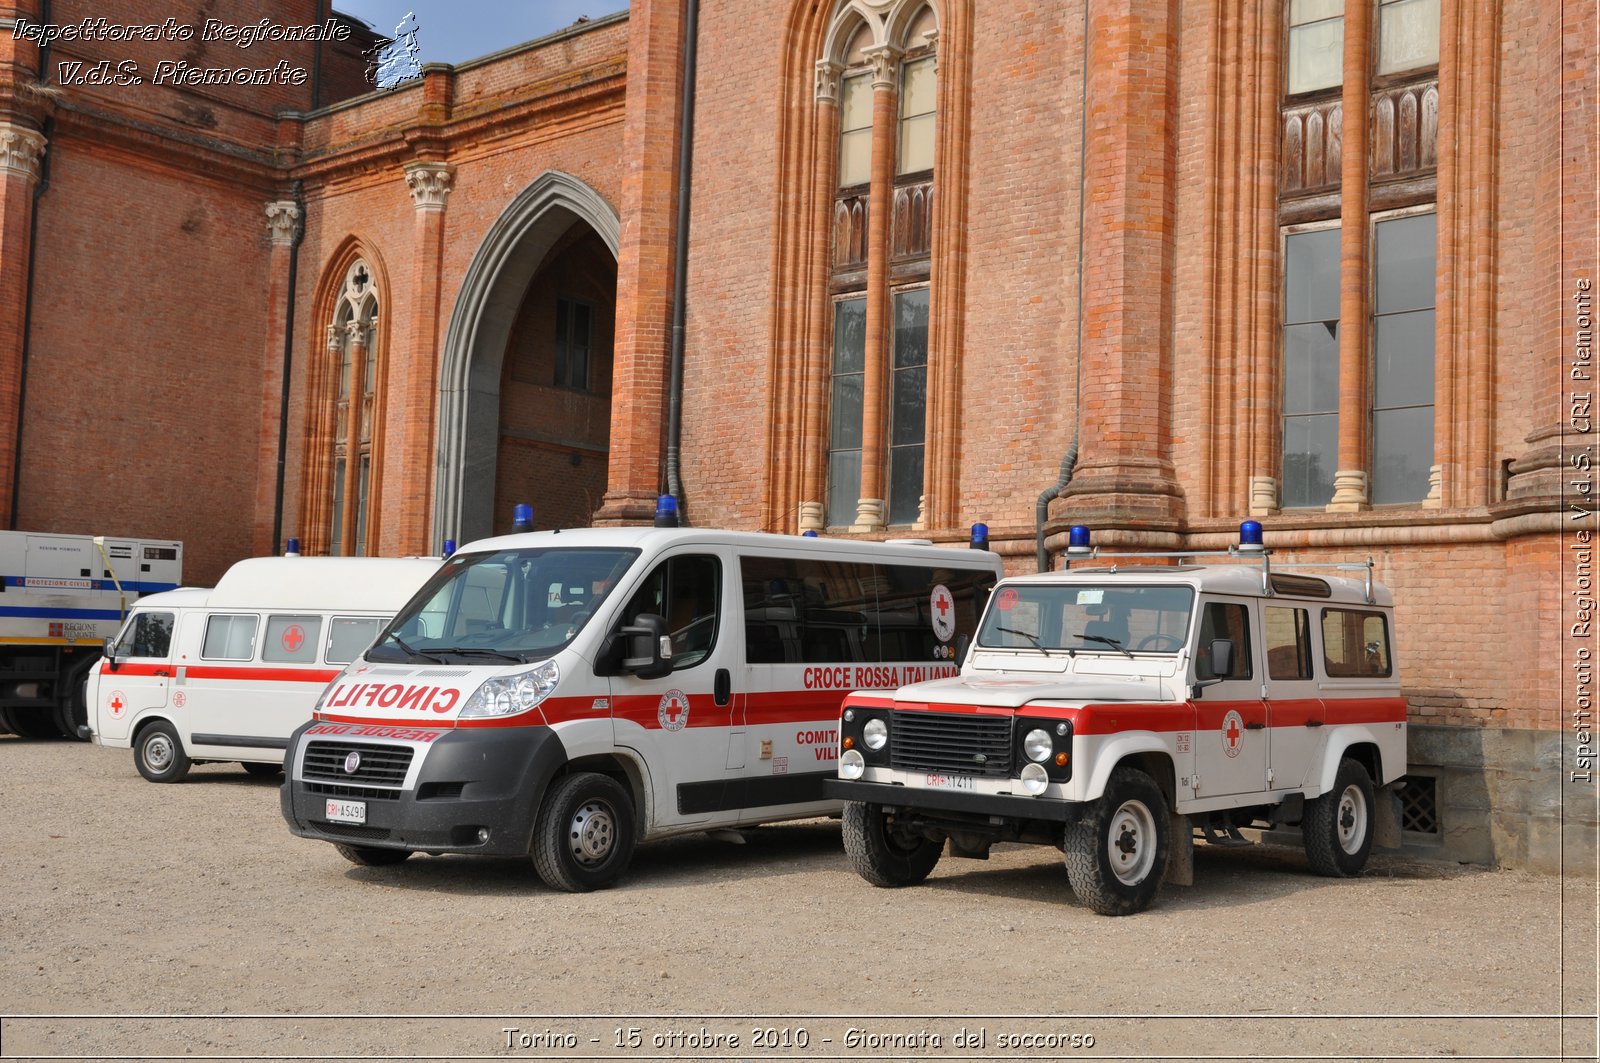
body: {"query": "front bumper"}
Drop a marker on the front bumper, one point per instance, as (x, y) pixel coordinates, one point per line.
(890, 795)
(464, 782)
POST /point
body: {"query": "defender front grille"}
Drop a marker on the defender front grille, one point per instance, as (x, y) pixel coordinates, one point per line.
(379, 765)
(962, 744)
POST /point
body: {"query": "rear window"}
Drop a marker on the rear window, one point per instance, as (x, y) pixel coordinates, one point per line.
(1355, 643)
(230, 638)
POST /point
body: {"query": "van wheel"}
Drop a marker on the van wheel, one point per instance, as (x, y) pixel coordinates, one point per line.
(1117, 851)
(584, 836)
(158, 753)
(371, 856)
(260, 770)
(1337, 827)
(883, 854)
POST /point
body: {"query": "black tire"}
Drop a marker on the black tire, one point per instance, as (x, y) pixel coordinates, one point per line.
(74, 708)
(260, 770)
(1117, 851)
(33, 723)
(583, 839)
(1337, 827)
(369, 856)
(881, 854)
(158, 753)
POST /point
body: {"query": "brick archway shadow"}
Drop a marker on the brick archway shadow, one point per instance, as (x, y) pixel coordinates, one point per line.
(475, 342)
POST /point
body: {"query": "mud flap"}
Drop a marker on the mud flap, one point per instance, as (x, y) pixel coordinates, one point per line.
(1386, 818)
(1180, 851)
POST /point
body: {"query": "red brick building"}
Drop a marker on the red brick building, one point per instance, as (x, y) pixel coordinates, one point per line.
(1118, 263)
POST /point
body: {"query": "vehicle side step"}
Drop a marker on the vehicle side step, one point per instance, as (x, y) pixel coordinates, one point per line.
(1230, 838)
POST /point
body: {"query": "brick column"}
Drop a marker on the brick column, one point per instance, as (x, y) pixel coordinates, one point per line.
(413, 386)
(813, 438)
(1350, 485)
(355, 331)
(644, 262)
(1125, 474)
(283, 222)
(20, 152)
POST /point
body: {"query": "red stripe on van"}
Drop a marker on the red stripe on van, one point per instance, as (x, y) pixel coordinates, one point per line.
(257, 673)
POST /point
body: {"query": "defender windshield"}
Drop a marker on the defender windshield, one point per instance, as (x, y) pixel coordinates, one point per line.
(507, 606)
(1105, 618)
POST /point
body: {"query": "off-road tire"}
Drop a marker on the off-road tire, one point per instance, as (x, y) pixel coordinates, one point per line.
(583, 838)
(371, 856)
(158, 753)
(1337, 827)
(1116, 853)
(880, 854)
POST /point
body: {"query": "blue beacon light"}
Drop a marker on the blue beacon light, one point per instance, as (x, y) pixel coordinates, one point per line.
(666, 512)
(449, 547)
(522, 517)
(1250, 536)
(1078, 539)
(980, 537)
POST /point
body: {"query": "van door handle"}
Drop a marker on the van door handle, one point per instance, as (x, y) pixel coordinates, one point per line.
(1313, 723)
(722, 686)
(1255, 727)
(161, 672)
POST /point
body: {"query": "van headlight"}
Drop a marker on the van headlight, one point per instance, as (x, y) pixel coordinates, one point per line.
(343, 672)
(505, 695)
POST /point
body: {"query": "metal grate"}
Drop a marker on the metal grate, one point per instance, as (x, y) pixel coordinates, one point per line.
(351, 830)
(1419, 805)
(363, 793)
(378, 765)
(963, 743)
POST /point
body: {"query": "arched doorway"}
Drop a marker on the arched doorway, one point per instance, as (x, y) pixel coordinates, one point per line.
(549, 254)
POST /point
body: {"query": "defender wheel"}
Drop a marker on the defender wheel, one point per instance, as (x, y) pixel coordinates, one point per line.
(1337, 827)
(1117, 852)
(370, 856)
(158, 753)
(883, 855)
(260, 770)
(584, 836)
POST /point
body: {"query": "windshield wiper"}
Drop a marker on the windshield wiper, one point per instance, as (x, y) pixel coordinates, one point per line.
(481, 651)
(1113, 643)
(412, 650)
(1030, 636)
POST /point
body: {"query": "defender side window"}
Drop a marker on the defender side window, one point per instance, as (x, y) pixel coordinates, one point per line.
(1224, 620)
(1288, 643)
(686, 591)
(1355, 642)
(149, 635)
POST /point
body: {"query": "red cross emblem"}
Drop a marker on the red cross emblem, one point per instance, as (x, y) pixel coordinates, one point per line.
(1232, 732)
(1007, 600)
(294, 636)
(117, 704)
(942, 603)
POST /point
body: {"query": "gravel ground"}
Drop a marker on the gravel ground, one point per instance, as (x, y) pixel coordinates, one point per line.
(185, 922)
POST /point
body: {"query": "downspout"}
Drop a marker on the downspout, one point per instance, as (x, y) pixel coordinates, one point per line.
(288, 362)
(681, 256)
(1069, 461)
(46, 128)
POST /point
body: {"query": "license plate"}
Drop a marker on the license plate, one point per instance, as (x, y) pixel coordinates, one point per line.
(347, 811)
(946, 782)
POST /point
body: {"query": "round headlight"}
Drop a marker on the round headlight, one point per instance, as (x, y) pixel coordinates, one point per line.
(875, 733)
(1037, 745)
(1034, 779)
(852, 765)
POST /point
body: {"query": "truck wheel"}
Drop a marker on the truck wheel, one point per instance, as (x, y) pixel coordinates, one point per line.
(371, 856)
(258, 769)
(74, 708)
(1117, 851)
(34, 723)
(1337, 827)
(584, 836)
(882, 854)
(158, 753)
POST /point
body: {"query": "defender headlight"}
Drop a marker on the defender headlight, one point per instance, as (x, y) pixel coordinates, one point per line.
(507, 694)
(875, 733)
(1034, 779)
(852, 765)
(1037, 745)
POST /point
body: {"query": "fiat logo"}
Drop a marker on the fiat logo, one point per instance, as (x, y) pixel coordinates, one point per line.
(352, 762)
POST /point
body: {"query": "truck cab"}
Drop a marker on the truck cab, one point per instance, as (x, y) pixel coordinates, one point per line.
(1117, 711)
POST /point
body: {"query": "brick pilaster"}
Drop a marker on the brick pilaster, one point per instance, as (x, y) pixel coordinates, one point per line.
(1350, 484)
(21, 151)
(283, 222)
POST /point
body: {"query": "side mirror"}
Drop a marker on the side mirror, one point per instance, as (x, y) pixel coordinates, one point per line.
(1219, 661)
(110, 651)
(649, 650)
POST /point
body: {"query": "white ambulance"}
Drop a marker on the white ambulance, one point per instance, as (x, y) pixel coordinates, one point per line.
(567, 694)
(227, 674)
(1115, 712)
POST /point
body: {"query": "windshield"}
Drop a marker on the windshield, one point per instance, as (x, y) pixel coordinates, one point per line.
(1114, 618)
(507, 606)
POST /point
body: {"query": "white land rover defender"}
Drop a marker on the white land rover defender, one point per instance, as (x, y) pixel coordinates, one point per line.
(1116, 711)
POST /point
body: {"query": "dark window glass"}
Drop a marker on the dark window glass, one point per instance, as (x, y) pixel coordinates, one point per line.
(574, 332)
(1288, 643)
(1310, 367)
(685, 591)
(1224, 620)
(349, 635)
(147, 635)
(908, 412)
(1355, 642)
(844, 431)
(1403, 359)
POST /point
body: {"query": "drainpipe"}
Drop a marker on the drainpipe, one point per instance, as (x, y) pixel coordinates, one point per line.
(1069, 461)
(691, 23)
(288, 362)
(47, 127)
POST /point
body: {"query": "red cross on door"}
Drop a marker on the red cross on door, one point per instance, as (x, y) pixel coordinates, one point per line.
(1232, 732)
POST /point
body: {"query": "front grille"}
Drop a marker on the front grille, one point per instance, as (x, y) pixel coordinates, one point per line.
(380, 765)
(351, 830)
(963, 743)
(362, 793)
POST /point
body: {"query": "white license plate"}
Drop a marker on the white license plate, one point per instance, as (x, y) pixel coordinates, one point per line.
(347, 811)
(946, 782)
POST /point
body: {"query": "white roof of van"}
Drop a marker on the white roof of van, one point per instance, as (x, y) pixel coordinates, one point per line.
(1242, 579)
(652, 539)
(359, 584)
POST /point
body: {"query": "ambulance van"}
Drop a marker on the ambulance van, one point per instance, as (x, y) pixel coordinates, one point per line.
(566, 695)
(227, 674)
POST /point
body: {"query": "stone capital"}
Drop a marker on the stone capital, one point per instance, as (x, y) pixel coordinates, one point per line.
(1349, 491)
(20, 151)
(828, 73)
(357, 331)
(885, 67)
(333, 338)
(429, 183)
(1263, 496)
(283, 219)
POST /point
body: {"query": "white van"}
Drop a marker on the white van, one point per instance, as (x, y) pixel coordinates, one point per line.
(567, 694)
(227, 674)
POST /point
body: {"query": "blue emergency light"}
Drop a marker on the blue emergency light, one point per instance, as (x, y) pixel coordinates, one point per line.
(809, 533)
(522, 517)
(666, 512)
(1250, 536)
(980, 537)
(449, 547)
(1078, 539)
(291, 548)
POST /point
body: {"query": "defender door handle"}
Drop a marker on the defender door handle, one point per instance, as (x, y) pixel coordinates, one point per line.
(1313, 723)
(1255, 727)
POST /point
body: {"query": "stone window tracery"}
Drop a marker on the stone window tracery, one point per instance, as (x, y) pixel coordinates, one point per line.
(352, 353)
